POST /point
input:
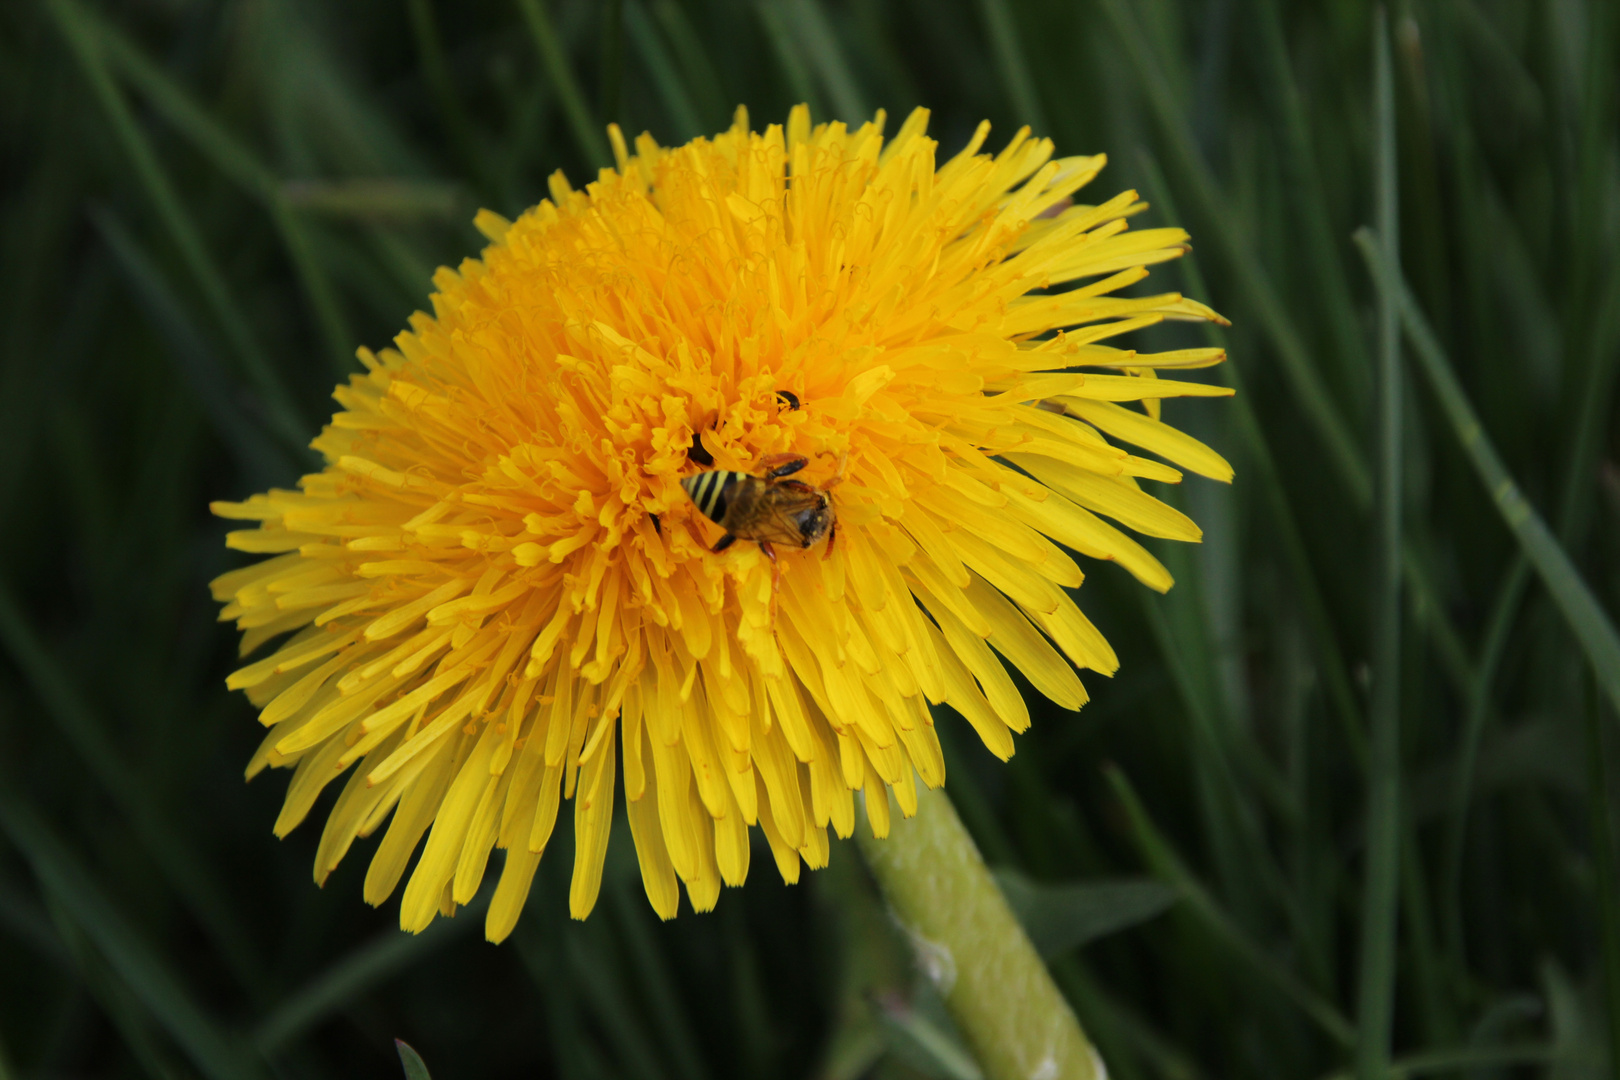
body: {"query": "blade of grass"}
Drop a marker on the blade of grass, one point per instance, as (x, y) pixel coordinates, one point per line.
(1431, 612)
(587, 132)
(1593, 630)
(381, 958)
(1061, 917)
(215, 1053)
(523, 146)
(1594, 408)
(1497, 631)
(415, 1068)
(1107, 1015)
(604, 997)
(1305, 187)
(671, 87)
(613, 60)
(1594, 146)
(968, 795)
(1505, 69)
(1375, 1008)
(75, 719)
(914, 1037)
(1184, 624)
(408, 268)
(1257, 290)
(237, 161)
(26, 923)
(430, 52)
(701, 78)
(1608, 894)
(1237, 836)
(1457, 1059)
(574, 1055)
(1593, 321)
(794, 69)
(1163, 861)
(807, 21)
(1434, 1012)
(82, 38)
(378, 200)
(316, 115)
(669, 1017)
(1306, 382)
(144, 1044)
(300, 244)
(262, 461)
(1012, 66)
(1178, 633)
(1261, 459)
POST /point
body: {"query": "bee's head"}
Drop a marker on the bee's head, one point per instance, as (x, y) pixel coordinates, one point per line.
(816, 522)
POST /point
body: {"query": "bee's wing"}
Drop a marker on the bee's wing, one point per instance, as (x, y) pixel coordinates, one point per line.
(778, 520)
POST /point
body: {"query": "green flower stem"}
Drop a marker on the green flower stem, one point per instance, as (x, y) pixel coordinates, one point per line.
(967, 941)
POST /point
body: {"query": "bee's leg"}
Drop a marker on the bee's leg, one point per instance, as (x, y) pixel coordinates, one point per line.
(776, 573)
(776, 466)
(832, 538)
(837, 477)
(723, 543)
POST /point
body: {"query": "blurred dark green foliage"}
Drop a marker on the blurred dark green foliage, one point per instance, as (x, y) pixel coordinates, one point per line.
(208, 205)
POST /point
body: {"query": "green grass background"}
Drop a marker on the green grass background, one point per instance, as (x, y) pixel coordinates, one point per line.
(207, 206)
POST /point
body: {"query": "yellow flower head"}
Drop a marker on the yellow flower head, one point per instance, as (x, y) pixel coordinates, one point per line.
(499, 587)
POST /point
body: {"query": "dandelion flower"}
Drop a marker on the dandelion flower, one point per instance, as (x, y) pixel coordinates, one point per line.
(500, 596)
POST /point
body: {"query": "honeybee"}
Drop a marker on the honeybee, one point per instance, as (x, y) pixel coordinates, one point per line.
(767, 509)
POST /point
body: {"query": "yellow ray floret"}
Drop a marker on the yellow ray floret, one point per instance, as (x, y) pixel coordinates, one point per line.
(500, 597)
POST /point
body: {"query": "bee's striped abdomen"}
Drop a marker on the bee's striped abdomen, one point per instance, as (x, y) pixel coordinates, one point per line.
(711, 491)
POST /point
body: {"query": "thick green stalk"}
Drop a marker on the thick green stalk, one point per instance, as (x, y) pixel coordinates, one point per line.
(967, 941)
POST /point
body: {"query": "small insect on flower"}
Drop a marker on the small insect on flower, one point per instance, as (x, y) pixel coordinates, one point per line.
(766, 509)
